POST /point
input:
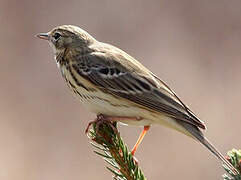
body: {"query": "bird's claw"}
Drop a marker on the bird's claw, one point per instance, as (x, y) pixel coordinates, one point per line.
(100, 119)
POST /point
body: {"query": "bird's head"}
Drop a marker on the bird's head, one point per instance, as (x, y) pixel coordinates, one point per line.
(67, 36)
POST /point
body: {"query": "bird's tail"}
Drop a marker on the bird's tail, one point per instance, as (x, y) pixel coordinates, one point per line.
(197, 134)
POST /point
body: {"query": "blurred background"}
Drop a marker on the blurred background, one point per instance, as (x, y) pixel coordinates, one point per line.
(192, 45)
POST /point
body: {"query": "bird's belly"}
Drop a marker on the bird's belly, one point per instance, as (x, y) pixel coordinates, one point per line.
(116, 107)
(100, 103)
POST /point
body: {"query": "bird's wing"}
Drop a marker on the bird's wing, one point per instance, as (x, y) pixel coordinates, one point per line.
(144, 89)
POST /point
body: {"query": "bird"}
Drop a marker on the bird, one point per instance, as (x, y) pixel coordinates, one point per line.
(118, 88)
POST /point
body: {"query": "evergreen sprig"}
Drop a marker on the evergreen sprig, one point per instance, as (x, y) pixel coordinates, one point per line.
(234, 157)
(106, 139)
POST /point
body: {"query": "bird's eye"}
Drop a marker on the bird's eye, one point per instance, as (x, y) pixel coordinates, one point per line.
(56, 36)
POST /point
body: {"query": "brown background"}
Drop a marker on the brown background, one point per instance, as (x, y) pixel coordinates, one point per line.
(193, 45)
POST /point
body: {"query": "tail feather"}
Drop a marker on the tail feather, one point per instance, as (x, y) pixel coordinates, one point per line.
(197, 134)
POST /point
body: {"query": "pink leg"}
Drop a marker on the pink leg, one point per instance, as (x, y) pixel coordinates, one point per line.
(119, 118)
(138, 142)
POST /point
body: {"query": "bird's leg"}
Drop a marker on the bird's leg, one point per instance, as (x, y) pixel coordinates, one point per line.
(102, 118)
(146, 128)
(119, 118)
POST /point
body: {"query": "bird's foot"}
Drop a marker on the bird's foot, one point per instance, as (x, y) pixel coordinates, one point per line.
(100, 120)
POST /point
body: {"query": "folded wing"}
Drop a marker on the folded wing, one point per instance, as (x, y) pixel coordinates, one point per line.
(144, 89)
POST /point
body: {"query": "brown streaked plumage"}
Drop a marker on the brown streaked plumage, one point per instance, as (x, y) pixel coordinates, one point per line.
(110, 82)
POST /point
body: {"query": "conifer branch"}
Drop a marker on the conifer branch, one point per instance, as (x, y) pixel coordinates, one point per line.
(110, 146)
(234, 157)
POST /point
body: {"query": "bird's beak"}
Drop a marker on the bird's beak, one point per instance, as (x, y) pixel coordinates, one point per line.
(44, 36)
